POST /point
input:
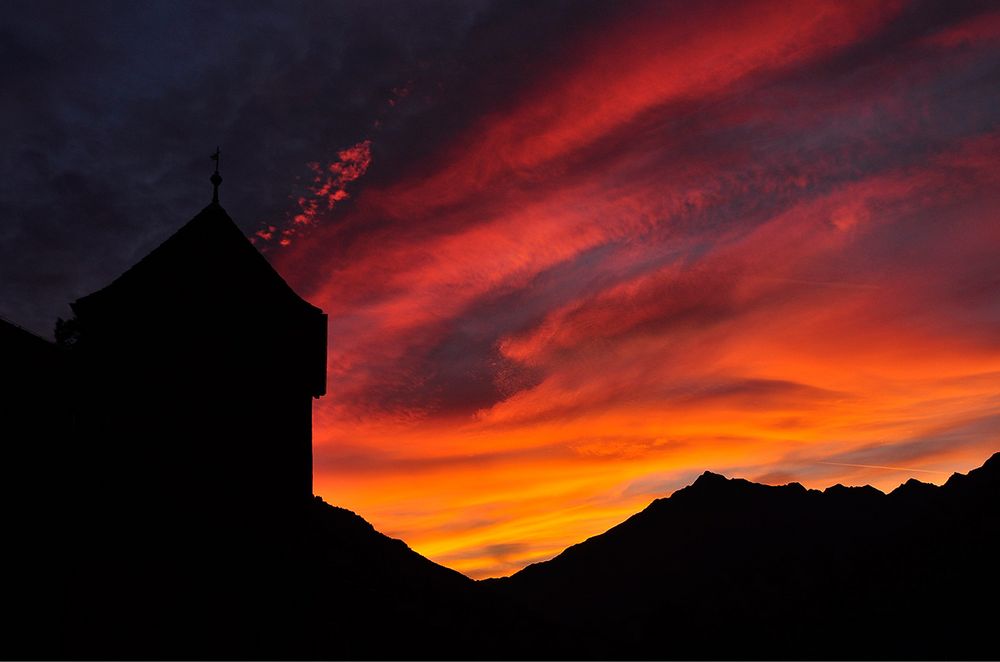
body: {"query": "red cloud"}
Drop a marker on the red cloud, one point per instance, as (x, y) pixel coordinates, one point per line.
(728, 236)
(329, 187)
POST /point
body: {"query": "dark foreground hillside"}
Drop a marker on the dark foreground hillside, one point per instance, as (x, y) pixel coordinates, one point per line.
(323, 585)
(723, 568)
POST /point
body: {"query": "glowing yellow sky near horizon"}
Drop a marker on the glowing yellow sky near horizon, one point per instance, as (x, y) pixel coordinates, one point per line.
(697, 241)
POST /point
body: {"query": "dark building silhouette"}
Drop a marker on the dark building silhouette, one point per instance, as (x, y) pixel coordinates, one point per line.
(186, 470)
(197, 368)
(34, 423)
(34, 417)
(35, 420)
(32, 382)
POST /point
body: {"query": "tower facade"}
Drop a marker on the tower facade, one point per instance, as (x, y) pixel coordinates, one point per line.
(197, 369)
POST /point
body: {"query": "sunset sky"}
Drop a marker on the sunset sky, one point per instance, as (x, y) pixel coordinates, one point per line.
(573, 254)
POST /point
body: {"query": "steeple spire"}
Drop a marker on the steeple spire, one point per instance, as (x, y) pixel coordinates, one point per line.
(216, 178)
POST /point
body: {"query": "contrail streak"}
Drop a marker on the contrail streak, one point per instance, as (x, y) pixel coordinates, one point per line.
(879, 466)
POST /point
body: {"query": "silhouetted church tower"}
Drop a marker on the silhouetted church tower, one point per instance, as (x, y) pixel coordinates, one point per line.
(198, 367)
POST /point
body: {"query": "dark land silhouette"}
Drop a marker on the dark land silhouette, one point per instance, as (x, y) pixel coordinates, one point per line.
(159, 505)
(735, 569)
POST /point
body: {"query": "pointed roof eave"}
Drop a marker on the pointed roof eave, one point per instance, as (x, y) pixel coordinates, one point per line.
(211, 219)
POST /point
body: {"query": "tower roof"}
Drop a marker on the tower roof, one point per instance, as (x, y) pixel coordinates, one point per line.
(208, 257)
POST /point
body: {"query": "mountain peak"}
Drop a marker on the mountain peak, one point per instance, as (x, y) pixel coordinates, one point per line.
(710, 478)
(863, 491)
(991, 465)
(913, 488)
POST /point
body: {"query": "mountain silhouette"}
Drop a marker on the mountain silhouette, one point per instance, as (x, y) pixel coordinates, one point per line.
(733, 569)
(324, 585)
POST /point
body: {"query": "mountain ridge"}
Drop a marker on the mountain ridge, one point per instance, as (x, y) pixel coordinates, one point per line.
(710, 479)
(776, 568)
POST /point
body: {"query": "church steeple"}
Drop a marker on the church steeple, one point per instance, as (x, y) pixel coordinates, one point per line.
(216, 178)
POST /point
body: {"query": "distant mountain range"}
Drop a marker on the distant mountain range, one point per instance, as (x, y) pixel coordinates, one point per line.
(722, 568)
(734, 569)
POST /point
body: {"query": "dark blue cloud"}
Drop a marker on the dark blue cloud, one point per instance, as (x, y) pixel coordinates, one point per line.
(111, 110)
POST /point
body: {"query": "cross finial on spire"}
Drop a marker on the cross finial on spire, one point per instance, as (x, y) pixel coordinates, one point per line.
(216, 178)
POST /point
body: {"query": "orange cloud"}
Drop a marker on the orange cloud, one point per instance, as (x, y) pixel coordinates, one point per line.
(757, 238)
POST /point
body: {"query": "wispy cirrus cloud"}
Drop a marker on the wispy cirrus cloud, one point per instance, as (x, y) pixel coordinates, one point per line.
(712, 244)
